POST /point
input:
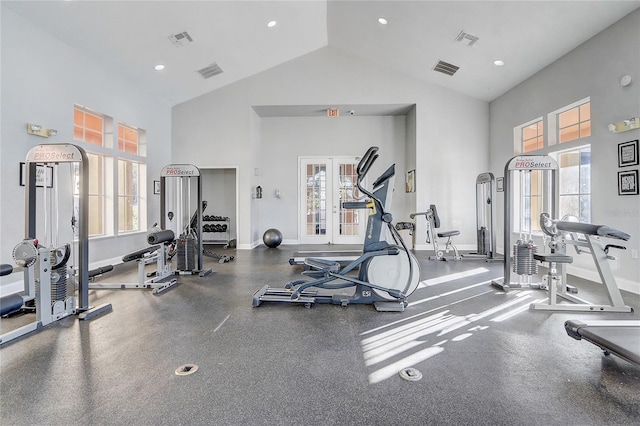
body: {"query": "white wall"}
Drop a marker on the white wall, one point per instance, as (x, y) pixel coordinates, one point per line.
(322, 136)
(593, 69)
(223, 128)
(42, 79)
(219, 191)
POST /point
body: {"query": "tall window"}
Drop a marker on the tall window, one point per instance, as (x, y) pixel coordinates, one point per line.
(532, 200)
(89, 127)
(117, 172)
(575, 183)
(131, 175)
(567, 125)
(128, 196)
(96, 195)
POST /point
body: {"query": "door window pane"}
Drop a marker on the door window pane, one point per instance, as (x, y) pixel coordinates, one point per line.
(316, 199)
(349, 218)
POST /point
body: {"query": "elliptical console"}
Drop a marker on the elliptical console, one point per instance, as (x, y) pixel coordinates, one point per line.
(387, 271)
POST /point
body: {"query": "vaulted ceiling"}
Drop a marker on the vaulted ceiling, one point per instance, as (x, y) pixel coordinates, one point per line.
(134, 36)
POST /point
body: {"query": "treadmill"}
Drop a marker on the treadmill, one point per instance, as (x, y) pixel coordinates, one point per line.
(618, 337)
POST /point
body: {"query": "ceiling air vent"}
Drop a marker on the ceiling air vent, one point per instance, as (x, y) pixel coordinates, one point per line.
(446, 68)
(178, 39)
(210, 70)
(470, 39)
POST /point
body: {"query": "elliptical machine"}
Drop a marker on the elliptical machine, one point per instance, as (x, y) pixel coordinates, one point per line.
(387, 271)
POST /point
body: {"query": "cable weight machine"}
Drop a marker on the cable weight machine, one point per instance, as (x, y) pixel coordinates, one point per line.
(485, 218)
(179, 185)
(522, 262)
(56, 276)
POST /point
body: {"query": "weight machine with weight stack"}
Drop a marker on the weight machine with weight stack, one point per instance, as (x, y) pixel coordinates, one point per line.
(56, 275)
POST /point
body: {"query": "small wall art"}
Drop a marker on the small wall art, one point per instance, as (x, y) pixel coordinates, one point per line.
(411, 181)
(628, 182)
(628, 153)
(43, 174)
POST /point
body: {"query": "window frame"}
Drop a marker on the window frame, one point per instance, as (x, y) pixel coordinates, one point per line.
(111, 156)
(139, 197)
(553, 149)
(539, 137)
(518, 131)
(553, 122)
(580, 193)
(102, 152)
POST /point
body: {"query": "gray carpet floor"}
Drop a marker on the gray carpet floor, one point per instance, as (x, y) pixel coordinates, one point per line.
(484, 357)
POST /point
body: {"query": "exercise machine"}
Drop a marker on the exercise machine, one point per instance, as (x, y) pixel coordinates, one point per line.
(341, 256)
(541, 173)
(158, 251)
(579, 235)
(485, 225)
(433, 223)
(180, 184)
(387, 272)
(485, 218)
(55, 276)
(618, 337)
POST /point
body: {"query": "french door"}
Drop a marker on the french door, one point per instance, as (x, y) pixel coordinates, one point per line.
(325, 183)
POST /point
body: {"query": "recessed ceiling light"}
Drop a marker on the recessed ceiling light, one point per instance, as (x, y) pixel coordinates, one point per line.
(159, 67)
(271, 24)
(383, 21)
(498, 63)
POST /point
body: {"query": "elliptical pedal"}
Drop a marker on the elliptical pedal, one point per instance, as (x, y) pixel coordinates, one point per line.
(390, 306)
(268, 294)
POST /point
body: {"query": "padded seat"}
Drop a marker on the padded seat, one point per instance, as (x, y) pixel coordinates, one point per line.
(5, 269)
(448, 234)
(557, 258)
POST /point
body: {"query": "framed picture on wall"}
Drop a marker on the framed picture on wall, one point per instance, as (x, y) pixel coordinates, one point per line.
(156, 187)
(411, 181)
(628, 153)
(44, 174)
(628, 182)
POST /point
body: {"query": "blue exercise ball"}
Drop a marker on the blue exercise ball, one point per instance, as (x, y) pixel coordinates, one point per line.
(272, 238)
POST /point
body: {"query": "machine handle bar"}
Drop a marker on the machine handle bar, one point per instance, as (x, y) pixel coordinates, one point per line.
(615, 246)
(367, 161)
(355, 205)
(412, 215)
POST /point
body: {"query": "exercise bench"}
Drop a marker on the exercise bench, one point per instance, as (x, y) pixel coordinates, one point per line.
(569, 233)
(162, 278)
(433, 223)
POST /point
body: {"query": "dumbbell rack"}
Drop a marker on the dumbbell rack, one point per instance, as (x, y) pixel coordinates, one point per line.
(216, 225)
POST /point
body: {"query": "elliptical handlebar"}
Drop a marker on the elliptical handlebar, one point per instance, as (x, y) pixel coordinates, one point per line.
(363, 168)
(367, 161)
